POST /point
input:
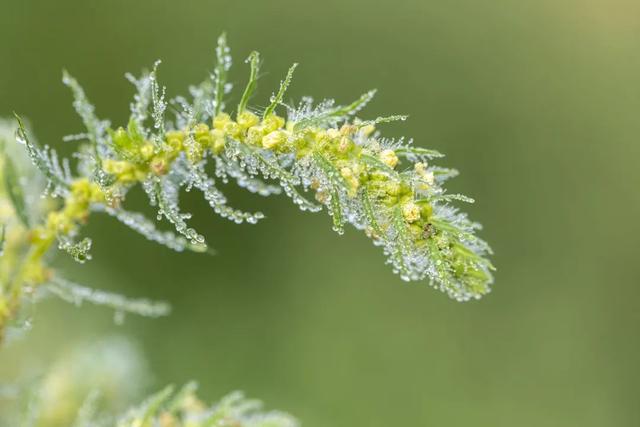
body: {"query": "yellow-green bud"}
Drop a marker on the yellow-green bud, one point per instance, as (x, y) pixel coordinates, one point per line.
(121, 139)
(333, 133)
(367, 130)
(426, 210)
(411, 212)
(422, 172)
(255, 134)
(392, 188)
(174, 139)
(389, 158)
(274, 140)
(272, 123)
(232, 129)
(217, 136)
(201, 134)
(246, 119)
(200, 130)
(348, 129)
(147, 151)
(221, 120)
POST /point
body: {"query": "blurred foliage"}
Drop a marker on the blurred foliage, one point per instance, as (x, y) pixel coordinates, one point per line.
(111, 369)
(91, 385)
(536, 101)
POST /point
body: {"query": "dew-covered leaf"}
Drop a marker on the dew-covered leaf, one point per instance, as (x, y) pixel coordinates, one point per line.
(277, 99)
(78, 294)
(254, 62)
(379, 120)
(147, 228)
(223, 64)
(43, 158)
(334, 114)
(417, 152)
(96, 128)
(78, 250)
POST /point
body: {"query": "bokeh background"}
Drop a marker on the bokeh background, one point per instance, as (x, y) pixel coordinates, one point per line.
(536, 102)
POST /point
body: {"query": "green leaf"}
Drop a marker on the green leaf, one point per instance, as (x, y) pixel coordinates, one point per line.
(254, 61)
(134, 132)
(447, 198)
(457, 232)
(443, 267)
(370, 213)
(336, 210)
(78, 294)
(147, 228)
(86, 111)
(287, 180)
(336, 113)
(172, 214)
(158, 105)
(330, 171)
(417, 152)
(403, 239)
(277, 99)
(378, 120)
(37, 155)
(78, 250)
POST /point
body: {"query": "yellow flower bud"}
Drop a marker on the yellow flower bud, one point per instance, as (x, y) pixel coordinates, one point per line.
(392, 188)
(426, 210)
(200, 130)
(274, 139)
(246, 119)
(422, 172)
(389, 158)
(333, 133)
(147, 151)
(367, 130)
(346, 173)
(221, 120)
(217, 136)
(232, 129)
(255, 134)
(115, 167)
(420, 168)
(430, 178)
(411, 212)
(272, 123)
(201, 134)
(347, 129)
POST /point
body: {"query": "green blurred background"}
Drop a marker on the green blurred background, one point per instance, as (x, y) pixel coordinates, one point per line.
(536, 102)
